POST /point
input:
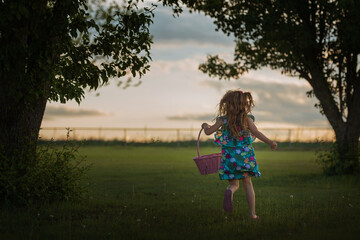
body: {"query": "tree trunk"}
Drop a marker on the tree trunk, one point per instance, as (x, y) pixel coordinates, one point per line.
(347, 132)
(348, 149)
(347, 137)
(20, 124)
(24, 89)
(20, 121)
(23, 95)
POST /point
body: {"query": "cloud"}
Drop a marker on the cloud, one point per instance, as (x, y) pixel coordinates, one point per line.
(187, 117)
(189, 64)
(188, 27)
(52, 112)
(276, 102)
(182, 65)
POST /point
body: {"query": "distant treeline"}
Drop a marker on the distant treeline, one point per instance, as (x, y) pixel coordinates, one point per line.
(286, 146)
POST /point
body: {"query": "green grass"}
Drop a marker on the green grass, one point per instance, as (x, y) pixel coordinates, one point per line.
(157, 193)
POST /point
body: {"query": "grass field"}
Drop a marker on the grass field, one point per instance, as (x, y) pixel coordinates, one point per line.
(157, 193)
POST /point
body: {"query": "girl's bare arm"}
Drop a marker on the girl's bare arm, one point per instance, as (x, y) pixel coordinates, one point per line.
(208, 129)
(260, 135)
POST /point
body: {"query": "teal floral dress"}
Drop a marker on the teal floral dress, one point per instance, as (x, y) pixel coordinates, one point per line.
(238, 158)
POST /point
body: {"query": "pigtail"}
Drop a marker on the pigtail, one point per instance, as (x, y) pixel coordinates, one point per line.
(249, 101)
(248, 105)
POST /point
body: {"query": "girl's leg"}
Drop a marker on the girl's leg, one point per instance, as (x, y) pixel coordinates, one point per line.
(228, 195)
(250, 196)
(233, 185)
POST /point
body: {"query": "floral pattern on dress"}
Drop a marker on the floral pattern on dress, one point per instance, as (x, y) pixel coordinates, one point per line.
(238, 157)
(223, 137)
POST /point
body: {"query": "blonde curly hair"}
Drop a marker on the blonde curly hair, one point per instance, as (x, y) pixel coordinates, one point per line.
(236, 105)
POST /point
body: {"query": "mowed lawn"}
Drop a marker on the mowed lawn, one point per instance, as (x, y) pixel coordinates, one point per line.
(158, 193)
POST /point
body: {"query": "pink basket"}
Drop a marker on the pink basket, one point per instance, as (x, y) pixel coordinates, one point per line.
(207, 164)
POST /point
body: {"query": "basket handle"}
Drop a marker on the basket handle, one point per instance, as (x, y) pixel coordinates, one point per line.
(198, 142)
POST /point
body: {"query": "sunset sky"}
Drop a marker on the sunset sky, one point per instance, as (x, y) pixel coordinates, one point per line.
(176, 94)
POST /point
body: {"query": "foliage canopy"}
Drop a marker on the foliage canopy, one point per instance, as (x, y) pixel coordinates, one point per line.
(71, 45)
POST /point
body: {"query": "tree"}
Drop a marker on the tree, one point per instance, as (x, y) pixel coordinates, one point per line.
(316, 40)
(52, 50)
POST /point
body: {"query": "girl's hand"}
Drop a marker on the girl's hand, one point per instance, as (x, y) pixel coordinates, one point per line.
(204, 125)
(209, 129)
(273, 145)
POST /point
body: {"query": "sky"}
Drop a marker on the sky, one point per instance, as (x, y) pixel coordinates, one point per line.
(175, 94)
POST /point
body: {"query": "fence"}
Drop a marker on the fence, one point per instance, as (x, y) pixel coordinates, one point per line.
(178, 134)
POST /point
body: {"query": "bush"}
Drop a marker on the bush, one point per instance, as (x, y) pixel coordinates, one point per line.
(333, 164)
(56, 175)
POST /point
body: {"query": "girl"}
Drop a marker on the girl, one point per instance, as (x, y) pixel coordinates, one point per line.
(235, 131)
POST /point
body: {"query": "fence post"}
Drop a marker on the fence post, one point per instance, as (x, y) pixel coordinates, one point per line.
(297, 134)
(125, 136)
(178, 137)
(145, 133)
(289, 135)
